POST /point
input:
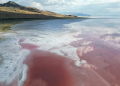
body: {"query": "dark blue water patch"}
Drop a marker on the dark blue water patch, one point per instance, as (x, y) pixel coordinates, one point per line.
(53, 24)
(56, 25)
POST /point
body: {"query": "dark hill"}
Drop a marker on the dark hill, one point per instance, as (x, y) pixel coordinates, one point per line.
(10, 4)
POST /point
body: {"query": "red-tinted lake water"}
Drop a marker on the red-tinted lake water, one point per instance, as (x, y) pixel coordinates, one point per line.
(54, 48)
(48, 69)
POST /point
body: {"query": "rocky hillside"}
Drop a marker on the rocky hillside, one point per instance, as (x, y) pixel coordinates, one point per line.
(14, 10)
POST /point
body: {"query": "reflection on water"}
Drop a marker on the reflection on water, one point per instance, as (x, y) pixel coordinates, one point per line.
(68, 52)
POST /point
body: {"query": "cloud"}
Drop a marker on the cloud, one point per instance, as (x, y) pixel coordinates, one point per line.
(35, 4)
(113, 9)
(74, 2)
(30, 3)
(93, 7)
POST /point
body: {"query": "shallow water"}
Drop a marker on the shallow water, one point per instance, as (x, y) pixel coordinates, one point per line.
(63, 52)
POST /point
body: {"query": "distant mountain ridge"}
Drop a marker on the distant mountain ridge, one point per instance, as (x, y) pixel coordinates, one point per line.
(14, 10)
(77, 14)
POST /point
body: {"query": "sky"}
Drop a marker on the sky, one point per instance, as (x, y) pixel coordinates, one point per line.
(92, 7)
